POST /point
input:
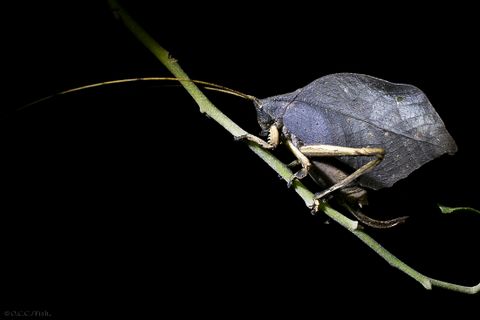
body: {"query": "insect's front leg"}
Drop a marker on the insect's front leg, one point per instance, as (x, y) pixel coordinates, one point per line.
(271, 143)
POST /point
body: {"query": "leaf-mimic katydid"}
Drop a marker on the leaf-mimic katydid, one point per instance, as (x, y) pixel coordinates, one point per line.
(348, 132)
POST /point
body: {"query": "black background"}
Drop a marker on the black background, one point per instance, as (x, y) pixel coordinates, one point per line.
(128, 192)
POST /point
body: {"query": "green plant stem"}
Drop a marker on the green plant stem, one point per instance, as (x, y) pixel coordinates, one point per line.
(448, 210)
(207, 107)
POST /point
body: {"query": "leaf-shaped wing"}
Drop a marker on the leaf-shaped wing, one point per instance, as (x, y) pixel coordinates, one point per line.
(357, 110)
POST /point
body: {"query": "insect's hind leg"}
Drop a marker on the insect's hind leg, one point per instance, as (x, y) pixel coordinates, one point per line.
(335, 151)
(374, 223)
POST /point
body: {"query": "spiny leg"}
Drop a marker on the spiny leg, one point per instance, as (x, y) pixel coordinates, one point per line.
(335, 151)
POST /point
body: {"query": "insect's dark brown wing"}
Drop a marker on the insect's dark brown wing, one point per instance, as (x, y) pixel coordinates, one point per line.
(358, 111)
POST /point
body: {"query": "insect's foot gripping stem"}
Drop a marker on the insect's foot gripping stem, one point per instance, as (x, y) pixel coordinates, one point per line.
(315, 206)
(273, 138)
(257, 140)
(299, 175)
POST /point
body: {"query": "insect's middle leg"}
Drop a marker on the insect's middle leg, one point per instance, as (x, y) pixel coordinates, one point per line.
(301, 159)
(335, 151)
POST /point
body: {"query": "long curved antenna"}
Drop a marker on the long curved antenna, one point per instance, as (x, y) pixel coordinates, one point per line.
(208, 85)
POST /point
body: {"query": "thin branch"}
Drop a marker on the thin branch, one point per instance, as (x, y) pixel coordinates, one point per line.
(207, 107)
(425, 281)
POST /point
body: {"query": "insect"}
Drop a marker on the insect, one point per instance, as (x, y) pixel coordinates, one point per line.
(348, 132)
(380, 130)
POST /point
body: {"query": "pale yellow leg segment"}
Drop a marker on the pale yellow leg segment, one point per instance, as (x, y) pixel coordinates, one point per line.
(335, 151)
(323, 150)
